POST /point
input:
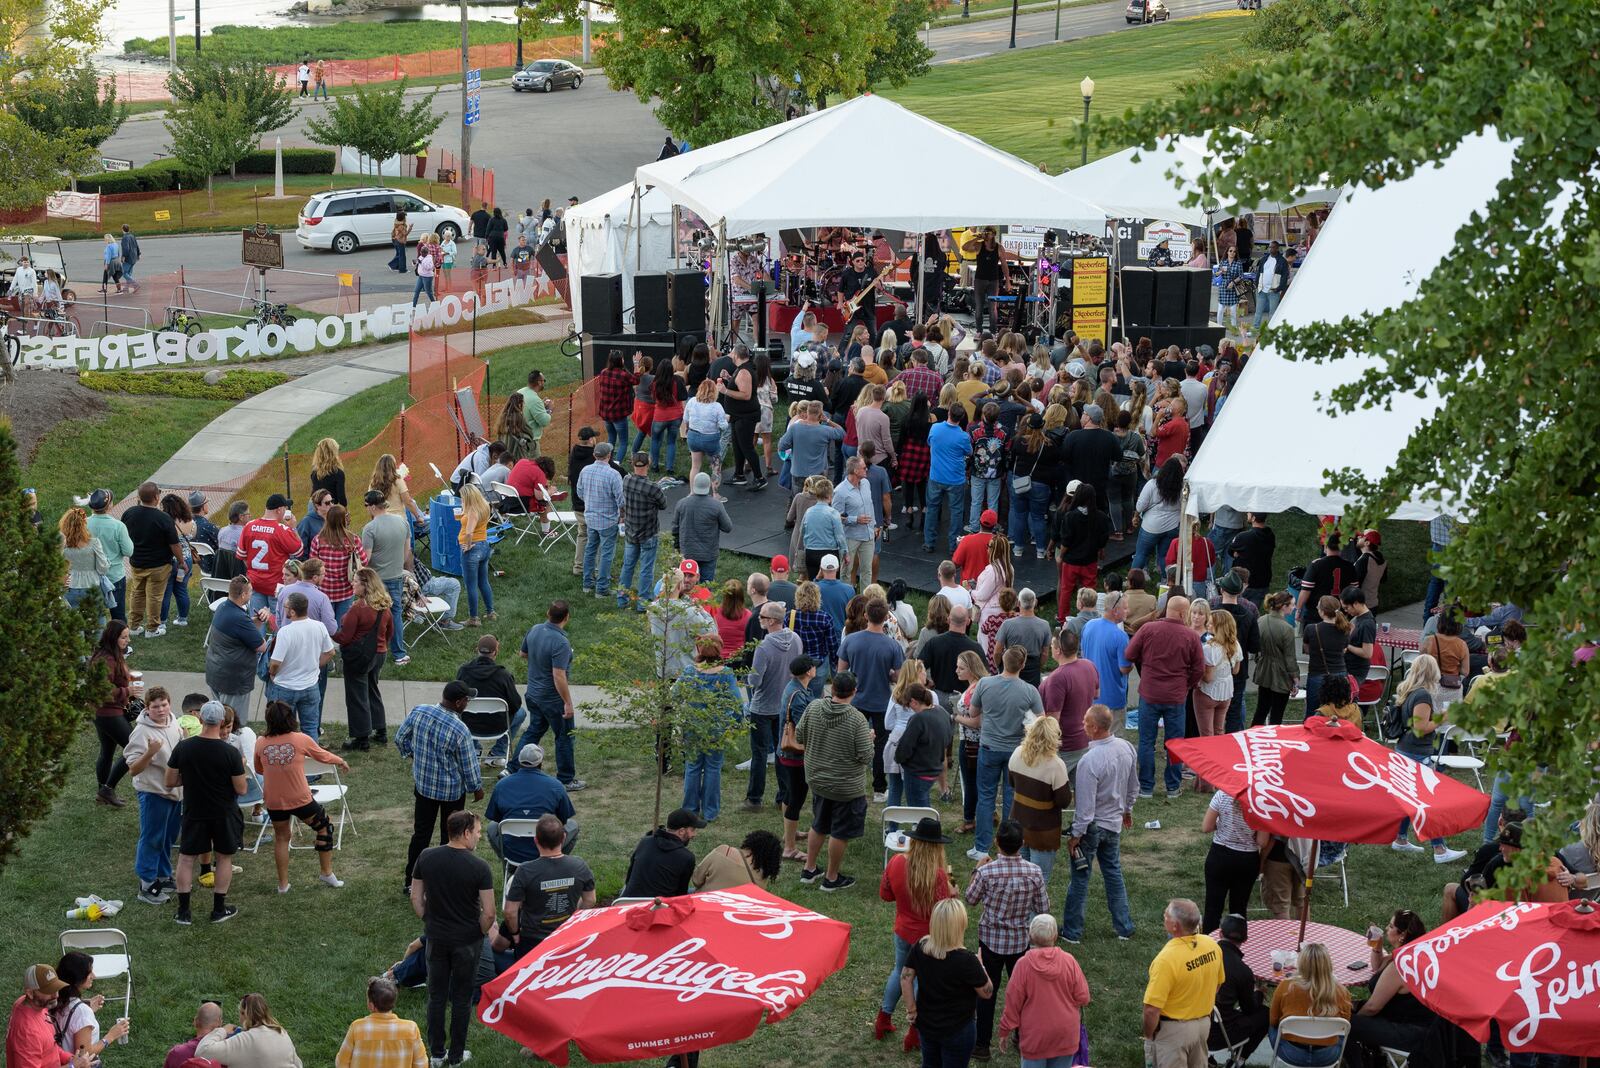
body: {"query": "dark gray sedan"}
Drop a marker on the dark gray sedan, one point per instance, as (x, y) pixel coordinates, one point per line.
(545, 75)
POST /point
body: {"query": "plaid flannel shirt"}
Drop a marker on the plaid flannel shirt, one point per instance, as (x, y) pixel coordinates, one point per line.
(382, 1040)
(642, 504)
(923, 380)
(1011, 891)
(615, 393)
(444, 758)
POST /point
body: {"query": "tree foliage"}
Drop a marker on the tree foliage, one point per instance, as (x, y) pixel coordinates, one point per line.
(41, 659)
(1286, 26)
(376, 121)
(211, 134)
(77, 109)
(720, 68)
(267, 100)
(41, 42)
(1503, 328)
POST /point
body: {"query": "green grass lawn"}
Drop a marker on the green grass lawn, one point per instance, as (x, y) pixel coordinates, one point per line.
(1026, 102)
(311, 951)
(347, 40)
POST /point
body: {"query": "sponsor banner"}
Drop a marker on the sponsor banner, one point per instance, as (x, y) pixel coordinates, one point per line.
(84, 207)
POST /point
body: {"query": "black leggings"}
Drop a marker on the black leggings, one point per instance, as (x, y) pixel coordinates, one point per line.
(969, 780)
(744, 446)
(797, 793)
(497, 248)
(110, 767)
(425, 812)
(916, 494)
(1270, 707)
(1231, 875)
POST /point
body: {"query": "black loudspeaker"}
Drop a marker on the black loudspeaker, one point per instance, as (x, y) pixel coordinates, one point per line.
(602, 304)
(1138, 294)
(658, 345)
(1198, 297)
(650, 304)
(688, 300)
(1185, 337)
(1172, 296)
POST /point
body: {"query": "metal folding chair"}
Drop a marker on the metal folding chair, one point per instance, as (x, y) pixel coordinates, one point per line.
(524, 522)
(563, 525)
(108, 947)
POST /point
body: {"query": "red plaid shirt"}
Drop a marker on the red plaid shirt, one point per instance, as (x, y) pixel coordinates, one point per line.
(1011, 891)
(616, 393)
(923, 380)
(336, 565)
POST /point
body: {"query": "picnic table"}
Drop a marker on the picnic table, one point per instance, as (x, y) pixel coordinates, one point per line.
(1344, 947)
(1400, 639)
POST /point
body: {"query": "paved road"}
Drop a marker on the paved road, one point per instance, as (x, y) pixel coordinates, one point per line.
(957, 42)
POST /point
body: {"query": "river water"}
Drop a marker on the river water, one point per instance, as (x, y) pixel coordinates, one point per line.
(146, 18)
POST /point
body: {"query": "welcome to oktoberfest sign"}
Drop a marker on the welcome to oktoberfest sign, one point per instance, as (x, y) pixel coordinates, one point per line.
(253, 341)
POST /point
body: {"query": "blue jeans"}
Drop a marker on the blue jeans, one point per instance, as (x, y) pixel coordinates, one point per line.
(177, 590)
(1313, 688)
(397, 594)
(992, 780)
(159, 823)
(258, 601)
(1435, 592)
(763, 740)
(702, 783)
(1222, 539)
(119, 610)
(708, 571)
(1150, 550)
(307, 705)
(544, 715)
(985, 494)
(1152, 718)
(617, 432)
(891, 989)
(1030, 512)
(1105, 848)
(519, 725)
(1293, 1052)
(1235, 719)
(915, 790)
(664, 432)
(640, 437)
(1405, 824)
(1063, 1061)
(1045, 861)
(424, 285)
(397, 262)
(1267, 305)
(640, 555)
(950, 1051)
(1497, 806)
(598, 552)
(340, 607)
(953, 495)
(475, 573)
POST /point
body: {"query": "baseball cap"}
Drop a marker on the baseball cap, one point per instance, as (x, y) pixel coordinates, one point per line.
(702, 484)
(805, 359)
(197, 499)
(43, 977)
(1095, 412)
(278, 500)
(1077, 369)
(530, 755)
(100, 498)
(456, 691)
(1372, 537)
(689, 567)
(780, 563)
(374, 497)
(1072, 487)
(679, 818)
(989, 518)
(830, 563)
(641, 459)
(213, 713)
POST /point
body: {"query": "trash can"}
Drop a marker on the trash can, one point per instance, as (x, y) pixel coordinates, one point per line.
(444, 531)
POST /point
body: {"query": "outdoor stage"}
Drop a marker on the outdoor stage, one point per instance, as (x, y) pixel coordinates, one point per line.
(758, 531)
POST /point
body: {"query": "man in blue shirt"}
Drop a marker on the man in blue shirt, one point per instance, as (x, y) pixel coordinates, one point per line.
(835, 594)
(527, 794)
(1103, 641)
(549, 700)
(875, 659)
(949, 446)
(600, 486)
(852, 499)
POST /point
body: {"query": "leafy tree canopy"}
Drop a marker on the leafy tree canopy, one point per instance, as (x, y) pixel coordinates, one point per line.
(1504, 328)
(212, 133)
(77, 109)
(266, 99)
(376, 121)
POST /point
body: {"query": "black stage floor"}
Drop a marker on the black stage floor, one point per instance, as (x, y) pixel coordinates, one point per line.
(758, 531)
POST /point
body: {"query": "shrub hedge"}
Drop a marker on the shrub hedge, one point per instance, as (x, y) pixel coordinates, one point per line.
(235, 385)
(165, 174)
(295, 161)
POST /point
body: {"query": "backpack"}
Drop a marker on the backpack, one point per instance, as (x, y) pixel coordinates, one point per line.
(1392, 721)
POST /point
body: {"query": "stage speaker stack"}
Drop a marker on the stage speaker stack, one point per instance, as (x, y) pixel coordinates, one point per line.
(650, 314)
(1172, 297)
(1138, 295)
(1197, 297)
(659, 346)
(687, 300)
(602, 304)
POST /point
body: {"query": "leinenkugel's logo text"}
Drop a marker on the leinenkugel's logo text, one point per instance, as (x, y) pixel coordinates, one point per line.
(1543, 983)
(1403, 778)
(1262, 764)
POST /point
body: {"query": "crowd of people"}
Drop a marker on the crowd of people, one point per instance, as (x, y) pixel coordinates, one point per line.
(850, 698)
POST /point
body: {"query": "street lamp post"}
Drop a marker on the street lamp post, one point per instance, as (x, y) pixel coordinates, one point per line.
(1014, 23)
(1087, 88)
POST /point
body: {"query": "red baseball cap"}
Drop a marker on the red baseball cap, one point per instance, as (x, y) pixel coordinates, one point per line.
(989, 518)
(689, 567)
(780, 563)
(1372, 537)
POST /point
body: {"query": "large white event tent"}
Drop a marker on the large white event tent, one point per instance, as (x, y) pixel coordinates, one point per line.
(613, 234)
(1277, 434)
(824, 169)
(1146, 183)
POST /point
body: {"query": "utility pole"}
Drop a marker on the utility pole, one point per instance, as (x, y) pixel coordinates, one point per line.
(466, 128)
(197, 27)
(1058, 20)
(172, 43)
(586, 52)
(1013, 23)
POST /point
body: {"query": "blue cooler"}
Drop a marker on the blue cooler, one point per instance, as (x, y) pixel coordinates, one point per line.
(444, 532)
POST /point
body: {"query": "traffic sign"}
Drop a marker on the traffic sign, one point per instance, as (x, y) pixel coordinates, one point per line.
(471, 116)
(474, 79)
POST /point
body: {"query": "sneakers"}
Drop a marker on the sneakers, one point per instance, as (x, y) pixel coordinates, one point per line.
(331, 880)
(154, 894)
(977, 855)
(180, 622)
(284, 889)
(739, 480)
(879, 798)
(1016, 551)
(157, 632)
(843, 882)
(466, 1055)
(401, 661)
(1039, 554)
(1401, 845)
(356, 745)
(495, 762)
(752, 806)
(1448, 856)
(183, 919)
(758, 485)
(810, 875)
(227, 913)
(980, 1053)
(448, 624)
(575, 785)
(743, 765)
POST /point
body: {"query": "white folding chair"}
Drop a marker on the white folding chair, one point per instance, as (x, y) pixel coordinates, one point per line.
(1376, 671)
(215, 591)
(895, 841)
(330, 796)
(1395, 1058)
(432, 616)
(1336, 870)
(1231, 1053)
(563, 525)
(522, 830)
(524, 522)
(1300, 1028)
(108, 947)
(1458, 761)
(201, 551)
(247, 807)
(490, 706)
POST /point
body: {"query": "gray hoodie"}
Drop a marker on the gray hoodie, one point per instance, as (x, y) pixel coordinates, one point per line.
(769, 671)
(153, 779)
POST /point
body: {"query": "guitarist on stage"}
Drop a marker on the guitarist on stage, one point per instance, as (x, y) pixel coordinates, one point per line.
(860, 280)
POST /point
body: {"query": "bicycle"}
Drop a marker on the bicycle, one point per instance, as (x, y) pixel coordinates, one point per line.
(10, 351)
(182, 321)
(268, 314)
(572, 344)
(55, 322)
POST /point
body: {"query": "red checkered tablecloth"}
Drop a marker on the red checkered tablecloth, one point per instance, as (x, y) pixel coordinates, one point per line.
(1400, 638)
(1344, 947)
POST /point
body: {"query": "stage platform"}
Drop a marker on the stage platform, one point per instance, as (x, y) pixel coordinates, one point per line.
(758, 531)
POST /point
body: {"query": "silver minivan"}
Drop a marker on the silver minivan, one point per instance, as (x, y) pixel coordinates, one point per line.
(346, 219)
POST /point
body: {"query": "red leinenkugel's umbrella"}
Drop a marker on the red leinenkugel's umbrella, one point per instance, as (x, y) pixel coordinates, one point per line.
(1534, 968)
(1326, 780)
(648, 980)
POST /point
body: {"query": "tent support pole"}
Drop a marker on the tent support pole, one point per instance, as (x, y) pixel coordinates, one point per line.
(1116, 275)
(922, 250)
(1185, 545)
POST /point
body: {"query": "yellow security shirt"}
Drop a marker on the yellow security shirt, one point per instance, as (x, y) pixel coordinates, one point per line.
(1184, 977)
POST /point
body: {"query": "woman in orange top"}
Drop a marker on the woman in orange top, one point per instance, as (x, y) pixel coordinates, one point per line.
(1311, 992)
(281, 763)
(915, 881)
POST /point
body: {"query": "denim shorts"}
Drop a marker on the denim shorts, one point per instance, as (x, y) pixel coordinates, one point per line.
(707, 443)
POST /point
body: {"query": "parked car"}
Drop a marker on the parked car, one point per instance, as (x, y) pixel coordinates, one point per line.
(1147, 11)
(543, 75)
(346, 219)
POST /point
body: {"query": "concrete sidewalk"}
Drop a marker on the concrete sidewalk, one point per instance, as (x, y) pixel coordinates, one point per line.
(233, 446)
